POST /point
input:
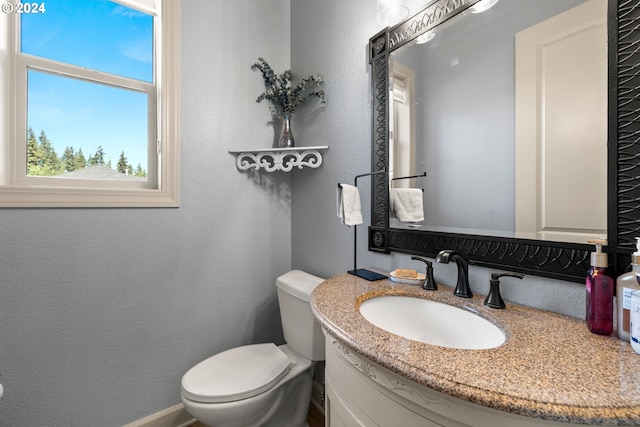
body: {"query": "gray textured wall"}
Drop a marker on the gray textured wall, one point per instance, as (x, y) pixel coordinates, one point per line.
(103, 310)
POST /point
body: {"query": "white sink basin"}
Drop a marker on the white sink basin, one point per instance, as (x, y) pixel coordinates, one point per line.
(432, 322)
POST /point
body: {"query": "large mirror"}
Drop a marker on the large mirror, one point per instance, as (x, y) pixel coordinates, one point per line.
(506, 112)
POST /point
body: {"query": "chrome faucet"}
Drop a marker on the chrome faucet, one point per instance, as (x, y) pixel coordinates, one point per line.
(462, 287)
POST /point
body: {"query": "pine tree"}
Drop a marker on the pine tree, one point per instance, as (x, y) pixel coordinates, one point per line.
(32, 152)
(98, 158)
(140, 172)
(123, 165)
(69, 160)
(49, 156)
(44, 160)
(80, 160)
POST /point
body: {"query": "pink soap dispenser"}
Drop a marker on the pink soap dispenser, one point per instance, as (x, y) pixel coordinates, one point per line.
(600, 291)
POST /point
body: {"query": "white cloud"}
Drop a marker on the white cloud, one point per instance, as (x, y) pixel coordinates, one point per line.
(128, 12)
(138, 51)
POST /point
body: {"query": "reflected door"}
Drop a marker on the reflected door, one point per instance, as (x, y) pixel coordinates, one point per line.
(561, 125)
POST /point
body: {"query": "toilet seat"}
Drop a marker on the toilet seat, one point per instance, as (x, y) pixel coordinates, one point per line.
(235, 374)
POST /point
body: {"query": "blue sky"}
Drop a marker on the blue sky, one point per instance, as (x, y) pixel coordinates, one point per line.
(100, 35)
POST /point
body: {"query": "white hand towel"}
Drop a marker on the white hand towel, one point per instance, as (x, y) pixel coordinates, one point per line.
(406, 204)
(349, 205)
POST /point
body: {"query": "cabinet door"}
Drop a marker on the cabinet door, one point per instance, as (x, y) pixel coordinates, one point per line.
(338, 414)
(354, 401)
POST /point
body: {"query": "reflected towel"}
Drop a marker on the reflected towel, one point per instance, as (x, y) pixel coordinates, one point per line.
(406, 204)
(349, 205)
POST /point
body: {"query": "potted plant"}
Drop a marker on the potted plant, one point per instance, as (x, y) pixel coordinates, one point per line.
(283, 99)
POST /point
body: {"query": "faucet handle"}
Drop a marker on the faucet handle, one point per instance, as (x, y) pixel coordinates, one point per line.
(494, 300)
(463, 290)
(429, 282)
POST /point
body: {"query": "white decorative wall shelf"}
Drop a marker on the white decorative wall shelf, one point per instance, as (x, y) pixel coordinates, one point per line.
(274, 159)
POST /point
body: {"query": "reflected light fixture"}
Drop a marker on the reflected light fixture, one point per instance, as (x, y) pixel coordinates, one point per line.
(483, 6)
(390, 12)
(426, 37)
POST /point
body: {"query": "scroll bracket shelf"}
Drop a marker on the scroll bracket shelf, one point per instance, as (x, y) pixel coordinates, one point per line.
(279, 159)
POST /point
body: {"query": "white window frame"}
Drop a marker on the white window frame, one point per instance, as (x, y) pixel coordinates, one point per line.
(162, 186)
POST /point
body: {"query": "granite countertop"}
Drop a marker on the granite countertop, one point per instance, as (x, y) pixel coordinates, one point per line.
(550, 366)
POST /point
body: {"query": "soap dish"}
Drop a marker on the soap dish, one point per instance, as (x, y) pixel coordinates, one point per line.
(407, 280)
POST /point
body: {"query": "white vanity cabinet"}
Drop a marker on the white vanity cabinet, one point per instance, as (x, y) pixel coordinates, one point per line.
(550, 371)
(354, 399)
(359, 392)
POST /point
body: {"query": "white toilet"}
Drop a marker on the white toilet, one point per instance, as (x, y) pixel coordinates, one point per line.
(262, 384)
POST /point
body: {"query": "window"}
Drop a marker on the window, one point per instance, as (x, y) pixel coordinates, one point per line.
(91, 117)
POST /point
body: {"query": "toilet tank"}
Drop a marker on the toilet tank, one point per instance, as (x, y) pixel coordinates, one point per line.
(301, 332)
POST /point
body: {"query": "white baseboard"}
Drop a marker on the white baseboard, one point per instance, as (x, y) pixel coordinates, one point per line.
(176, 416)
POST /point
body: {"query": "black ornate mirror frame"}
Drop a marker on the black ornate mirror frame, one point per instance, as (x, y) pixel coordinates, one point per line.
(565, 261)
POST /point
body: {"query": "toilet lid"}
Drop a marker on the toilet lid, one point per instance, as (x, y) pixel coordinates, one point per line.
(236, 374)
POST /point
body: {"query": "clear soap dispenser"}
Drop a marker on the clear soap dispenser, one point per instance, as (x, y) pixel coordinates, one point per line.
(600, 289)
(625, 284)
